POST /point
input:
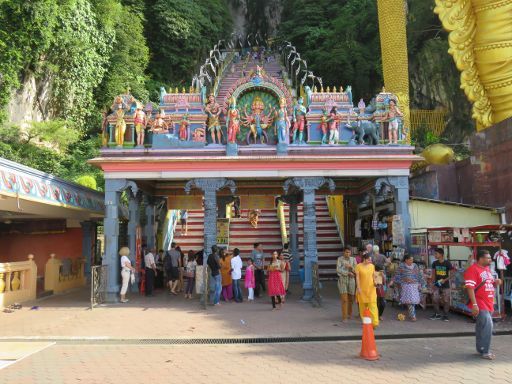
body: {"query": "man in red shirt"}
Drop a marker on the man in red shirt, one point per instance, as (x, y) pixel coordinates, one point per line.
(480, 285)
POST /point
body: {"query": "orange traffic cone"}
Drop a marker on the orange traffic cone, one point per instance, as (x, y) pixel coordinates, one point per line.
(368, 347)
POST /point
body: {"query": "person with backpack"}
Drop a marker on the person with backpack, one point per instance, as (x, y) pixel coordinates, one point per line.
(172, 264)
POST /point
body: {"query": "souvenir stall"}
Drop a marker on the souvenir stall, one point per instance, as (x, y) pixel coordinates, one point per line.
(461, 246)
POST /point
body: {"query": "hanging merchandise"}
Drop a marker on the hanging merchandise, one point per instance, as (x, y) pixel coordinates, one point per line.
(398, 231)
(502, 259)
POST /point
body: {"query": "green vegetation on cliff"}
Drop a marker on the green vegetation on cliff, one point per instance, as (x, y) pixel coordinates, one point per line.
(82, 53)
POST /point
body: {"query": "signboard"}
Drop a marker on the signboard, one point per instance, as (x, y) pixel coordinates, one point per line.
(185, 202)
(257, 202)
(223, 232)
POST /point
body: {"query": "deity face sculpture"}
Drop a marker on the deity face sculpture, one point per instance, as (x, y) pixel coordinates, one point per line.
(257, 105)
(300, 101)
(282, 102)
(211, 98)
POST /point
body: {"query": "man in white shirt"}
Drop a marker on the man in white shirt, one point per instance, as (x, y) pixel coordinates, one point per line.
(236, 275)
(149, 262)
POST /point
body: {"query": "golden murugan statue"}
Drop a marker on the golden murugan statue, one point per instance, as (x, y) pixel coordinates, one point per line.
(481, 44)
(120, 128)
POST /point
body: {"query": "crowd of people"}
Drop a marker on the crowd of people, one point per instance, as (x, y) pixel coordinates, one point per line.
(181, 273)
(364, 279)
(226, 272)
(361, 279)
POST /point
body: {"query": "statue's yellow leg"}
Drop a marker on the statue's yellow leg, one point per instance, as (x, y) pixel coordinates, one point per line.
(393, 45)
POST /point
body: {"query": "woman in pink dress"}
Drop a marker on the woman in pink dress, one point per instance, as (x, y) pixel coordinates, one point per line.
(275, 283)
(250, 281)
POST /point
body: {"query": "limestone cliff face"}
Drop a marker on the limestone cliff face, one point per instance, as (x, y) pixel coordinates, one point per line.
(30, 102)
(251, 16)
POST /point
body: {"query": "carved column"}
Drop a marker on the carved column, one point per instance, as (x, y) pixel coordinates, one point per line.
(308, 186)
(210, 188)
(113, 189)
(150, 224)
(400, 186)
(87, 246)
(293, 201)
(133, 223)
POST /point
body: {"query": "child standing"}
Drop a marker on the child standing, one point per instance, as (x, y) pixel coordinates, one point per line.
(250, 281)
(380, 283)
(190, 275)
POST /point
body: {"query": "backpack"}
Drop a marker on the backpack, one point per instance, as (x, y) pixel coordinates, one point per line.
(168, 261)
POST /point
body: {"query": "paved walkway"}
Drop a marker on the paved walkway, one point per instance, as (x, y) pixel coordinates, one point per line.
(165, 316)
(447, 361)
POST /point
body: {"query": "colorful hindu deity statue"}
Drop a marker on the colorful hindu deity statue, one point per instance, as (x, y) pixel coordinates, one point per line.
(324, 123)
(159, 125)
(233, 121)
(120, 127)
(283, 122)
(299, 121)
(213, 110)
(333, 126)
(257, 121)
(139, 120)
(393, 116)
(183, 131)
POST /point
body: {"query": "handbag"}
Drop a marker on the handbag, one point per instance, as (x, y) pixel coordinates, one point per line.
(188, 273)
(132, 278)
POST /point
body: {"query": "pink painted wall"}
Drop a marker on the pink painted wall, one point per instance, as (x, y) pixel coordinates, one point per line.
(17, 247)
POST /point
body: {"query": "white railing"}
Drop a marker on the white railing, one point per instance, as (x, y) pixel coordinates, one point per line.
(18, 281)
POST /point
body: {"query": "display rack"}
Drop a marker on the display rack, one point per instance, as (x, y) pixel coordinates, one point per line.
(479, 237)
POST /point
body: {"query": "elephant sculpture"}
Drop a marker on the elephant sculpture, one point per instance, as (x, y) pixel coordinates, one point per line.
(364, 129)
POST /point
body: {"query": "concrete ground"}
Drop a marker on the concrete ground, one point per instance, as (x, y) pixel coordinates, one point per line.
(166, 316)
(61, 340)
(447, 361)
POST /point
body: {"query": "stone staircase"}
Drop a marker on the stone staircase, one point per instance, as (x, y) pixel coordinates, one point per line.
(328, 239)
(236, 70)
(243, 236)
(195, 236)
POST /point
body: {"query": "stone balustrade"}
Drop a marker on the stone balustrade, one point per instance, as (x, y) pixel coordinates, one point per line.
(63, 274)
(18, 281)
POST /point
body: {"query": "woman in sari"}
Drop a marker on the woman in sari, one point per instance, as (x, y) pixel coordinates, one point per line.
(366, 292)
(225, 271)
(410, 281)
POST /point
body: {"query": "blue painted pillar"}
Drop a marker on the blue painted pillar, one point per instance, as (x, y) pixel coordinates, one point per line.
(111, 232)
(400, 188)
(150, 224)
(401, 195)
(113, 189)
(209, 188)
(133, 222)
(308, 186)
(294, 242)
(87, 246)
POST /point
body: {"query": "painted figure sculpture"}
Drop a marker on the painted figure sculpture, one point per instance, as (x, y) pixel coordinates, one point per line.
(233, 121)
(324, 125)
(299, 121)
(393, 116)
(120, 127)
(257, 121)
(283, 122)
(139, 120)
(213, 111)
(183, 131)
(333, 126)
(159, 125)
